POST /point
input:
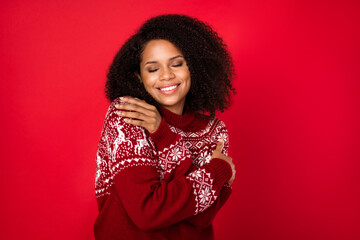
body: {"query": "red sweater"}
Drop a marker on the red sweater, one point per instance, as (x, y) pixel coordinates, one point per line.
(162, 185)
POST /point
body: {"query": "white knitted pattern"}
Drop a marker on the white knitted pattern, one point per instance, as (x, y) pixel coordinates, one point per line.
(120, 141)
(123, 145)
(203, 189)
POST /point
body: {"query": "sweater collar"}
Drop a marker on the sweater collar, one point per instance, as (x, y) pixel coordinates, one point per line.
(176, 120)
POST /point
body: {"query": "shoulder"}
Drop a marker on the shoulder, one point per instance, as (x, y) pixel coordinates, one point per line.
(219, 130)
(217, 124)
(111, 116)
(112, 110)
(114, 103)
(114, 122)
(211, 121)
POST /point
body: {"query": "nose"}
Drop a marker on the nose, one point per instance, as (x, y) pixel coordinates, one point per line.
(167, 74)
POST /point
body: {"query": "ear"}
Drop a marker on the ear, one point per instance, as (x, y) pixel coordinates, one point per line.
(138, 76)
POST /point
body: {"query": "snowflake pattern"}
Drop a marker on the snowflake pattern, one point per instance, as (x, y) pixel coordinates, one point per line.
(202, 184)
(175, 153)
(172, 156)
(122, 146)
(205, 195)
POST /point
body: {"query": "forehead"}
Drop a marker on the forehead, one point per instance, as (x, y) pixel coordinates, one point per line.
(159, 49)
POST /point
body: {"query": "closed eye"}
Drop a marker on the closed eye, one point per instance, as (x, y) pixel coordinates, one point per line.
(154, 70)
(178, 65)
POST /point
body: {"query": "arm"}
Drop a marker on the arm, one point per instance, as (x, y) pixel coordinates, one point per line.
(205, 218)
(151, 203)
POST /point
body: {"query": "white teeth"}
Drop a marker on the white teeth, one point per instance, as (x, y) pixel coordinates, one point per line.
(168, 88)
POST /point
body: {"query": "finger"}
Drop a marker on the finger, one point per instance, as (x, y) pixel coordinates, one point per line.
(220, 145)
(134, 108)
(134, 115)
(134, 122)
(138, 102)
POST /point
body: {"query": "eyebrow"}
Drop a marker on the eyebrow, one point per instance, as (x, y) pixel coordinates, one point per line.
(169, 59)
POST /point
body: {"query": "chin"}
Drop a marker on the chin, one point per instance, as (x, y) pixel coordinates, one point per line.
(168, 103)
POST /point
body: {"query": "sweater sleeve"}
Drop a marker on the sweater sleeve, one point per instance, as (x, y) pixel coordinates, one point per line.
(205, 218)
(152, 199)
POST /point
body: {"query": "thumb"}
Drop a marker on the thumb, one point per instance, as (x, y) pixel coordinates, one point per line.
(220, 145)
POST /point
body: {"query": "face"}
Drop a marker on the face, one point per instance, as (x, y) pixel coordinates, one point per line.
(165, 74)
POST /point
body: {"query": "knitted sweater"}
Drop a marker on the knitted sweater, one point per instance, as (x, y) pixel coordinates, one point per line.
(162, 185)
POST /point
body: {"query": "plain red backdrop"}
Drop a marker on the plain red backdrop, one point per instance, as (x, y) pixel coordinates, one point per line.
(294, 124)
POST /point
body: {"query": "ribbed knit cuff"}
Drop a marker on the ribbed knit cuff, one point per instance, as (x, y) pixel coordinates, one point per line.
(225, 194)
(163, 136)
(221, 170)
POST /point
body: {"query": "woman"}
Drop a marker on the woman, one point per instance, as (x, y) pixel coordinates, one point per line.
(162, 165)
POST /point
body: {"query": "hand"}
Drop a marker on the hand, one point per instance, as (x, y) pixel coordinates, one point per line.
(218, 154)
(139, 113)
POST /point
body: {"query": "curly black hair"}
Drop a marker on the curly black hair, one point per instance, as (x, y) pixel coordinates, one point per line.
(208, 59)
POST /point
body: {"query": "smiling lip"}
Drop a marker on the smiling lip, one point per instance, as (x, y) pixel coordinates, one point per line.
(169, 89)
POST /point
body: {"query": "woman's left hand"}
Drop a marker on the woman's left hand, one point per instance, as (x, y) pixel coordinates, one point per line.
(139, 113)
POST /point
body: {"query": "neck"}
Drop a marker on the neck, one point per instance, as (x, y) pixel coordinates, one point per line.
(177, 110)
(186, 121)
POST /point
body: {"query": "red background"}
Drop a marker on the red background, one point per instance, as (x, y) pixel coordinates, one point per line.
(294, 124)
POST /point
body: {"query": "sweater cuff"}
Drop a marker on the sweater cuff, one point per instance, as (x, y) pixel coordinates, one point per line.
(163, 136)
(227, 185)
(221, 170)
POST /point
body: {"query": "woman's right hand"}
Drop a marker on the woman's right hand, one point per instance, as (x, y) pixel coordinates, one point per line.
(218, 154)
(139, 113)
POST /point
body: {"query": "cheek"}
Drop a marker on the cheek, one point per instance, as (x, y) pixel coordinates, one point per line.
(185, 75)
(148, 81)
(188, 81)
